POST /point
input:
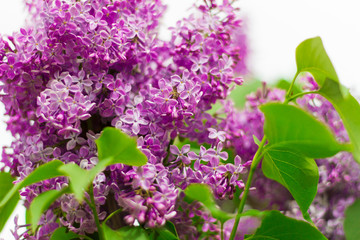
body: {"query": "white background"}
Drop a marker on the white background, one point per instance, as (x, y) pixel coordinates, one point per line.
(274, 28)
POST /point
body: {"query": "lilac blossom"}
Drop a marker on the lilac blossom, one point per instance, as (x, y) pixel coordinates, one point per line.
(85, 65)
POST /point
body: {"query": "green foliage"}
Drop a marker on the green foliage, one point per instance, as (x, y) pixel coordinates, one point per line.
(43, 172)
(79, 179)
(119, 147)
(126, 233)
(352, 221)
(6, 183)
(291, 127)
(312, 57)
(170, 227)
(285, 85)
(238, 94)
(349, 110)
(165, 234)
(256, 140)
(294, 137)
(63, 234)
(276, 226)
(114, 147)
(297, 173)
(202, 193)
(41, 203)
(253, 213)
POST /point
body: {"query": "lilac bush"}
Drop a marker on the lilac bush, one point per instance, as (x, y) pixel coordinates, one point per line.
(82, 66)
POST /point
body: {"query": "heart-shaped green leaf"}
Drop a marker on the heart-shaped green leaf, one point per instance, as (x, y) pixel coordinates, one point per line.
(80, 179)
(43, 172)
(165, 234)
(119, 147)
(63, 234)
(312, 57)
(349, 110)
(41, 203)
(276, 226)
(202, 193)
(288, 126)
(297, 173)
(352, 221)
(6, 183)
(126, 233)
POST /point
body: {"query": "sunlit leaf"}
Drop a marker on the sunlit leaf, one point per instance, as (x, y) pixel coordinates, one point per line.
(288, 126)
(285, 85)
(349, 110)
(276, 226)
(6, 183)
(352, 221)
(202, 193)
(256, 140)
(43, 172)
(297, 173)
(312, 57)
(41, 203)
(119, 147)
(63, 234)
(126, 233)
(80, 179)
(238, 95)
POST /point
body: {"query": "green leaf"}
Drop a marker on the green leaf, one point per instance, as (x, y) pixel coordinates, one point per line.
(165, 234)
(79, 179)
(285, 85)
(127, 233)
(297, 173)
(119, 147)
(6, 183)
(276, 226)
(171, 227)
(41, 203)
(352, 221)
(202, 193)
(238, 95)
(168, 232)
(349, 110)
(43, 172)
(311, 57)
(63, 234)
(256, 140)
(288, 126)
(253, 213)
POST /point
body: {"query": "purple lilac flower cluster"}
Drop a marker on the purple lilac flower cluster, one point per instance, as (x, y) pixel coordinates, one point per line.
(85, 65)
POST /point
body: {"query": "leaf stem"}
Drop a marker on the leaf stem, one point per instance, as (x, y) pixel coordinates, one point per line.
(257, 157)
(292, 85)
(222, 230)
(289, 99)
(112, 214)
(93, 208)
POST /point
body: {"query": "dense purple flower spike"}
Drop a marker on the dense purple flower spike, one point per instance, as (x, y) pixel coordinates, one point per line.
(85, 65)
